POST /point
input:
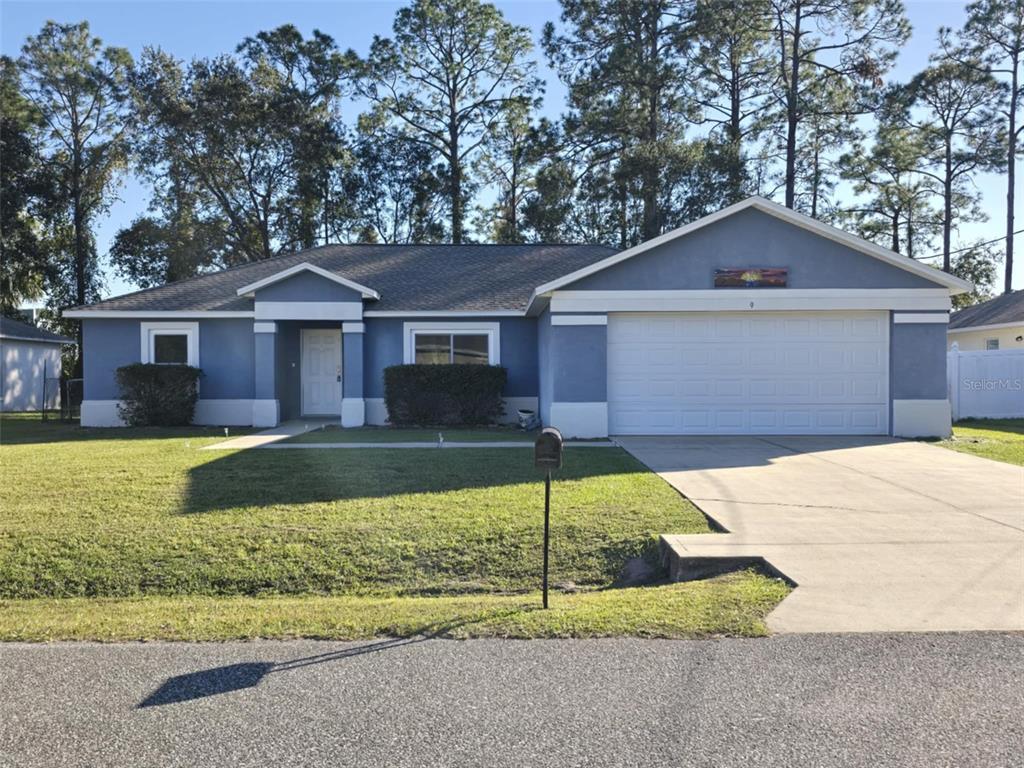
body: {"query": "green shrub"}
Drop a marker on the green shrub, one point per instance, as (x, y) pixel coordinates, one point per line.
(444, 395)
(157, 395)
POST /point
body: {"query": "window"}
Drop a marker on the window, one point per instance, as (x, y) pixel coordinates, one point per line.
(170, 343)
(466, 348)
(991, 345)
(170, 348)
(432, 343)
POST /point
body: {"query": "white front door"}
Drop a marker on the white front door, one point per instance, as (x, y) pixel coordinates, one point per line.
(321, 371)
(748, 372)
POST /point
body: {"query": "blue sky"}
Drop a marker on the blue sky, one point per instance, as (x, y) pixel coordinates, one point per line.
(196, 28)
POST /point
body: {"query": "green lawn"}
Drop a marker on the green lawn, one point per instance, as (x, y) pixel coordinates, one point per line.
(111, 534)
(999, 439)
(333, 434)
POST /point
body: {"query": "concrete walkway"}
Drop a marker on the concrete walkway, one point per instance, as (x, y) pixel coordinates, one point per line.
(270, 436)
(878, 534)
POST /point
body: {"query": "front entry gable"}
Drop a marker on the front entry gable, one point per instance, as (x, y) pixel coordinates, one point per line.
(307, 292)
(307, 282)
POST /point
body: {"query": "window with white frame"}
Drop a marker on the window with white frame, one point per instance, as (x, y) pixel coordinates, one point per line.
(170, 343)
(430, 343)
(991, 345)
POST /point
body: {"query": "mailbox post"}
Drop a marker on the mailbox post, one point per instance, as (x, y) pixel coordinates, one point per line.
(547, 455)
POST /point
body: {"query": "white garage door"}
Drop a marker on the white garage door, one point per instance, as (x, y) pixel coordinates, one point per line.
(748, 372)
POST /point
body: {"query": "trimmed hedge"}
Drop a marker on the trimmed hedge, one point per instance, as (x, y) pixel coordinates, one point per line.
(444, 395)
(157, 395)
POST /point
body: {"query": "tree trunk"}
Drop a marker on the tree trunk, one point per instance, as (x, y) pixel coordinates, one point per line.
(947, 207)
(1011, 172)
(910, 233)
(734, 133)
(651, 228)
(623, 229)
(81, 255)
(455, 166)
(896, 232)
(792, 116)
(815, 177)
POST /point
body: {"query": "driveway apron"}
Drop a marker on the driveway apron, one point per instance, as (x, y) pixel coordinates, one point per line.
(878, 534)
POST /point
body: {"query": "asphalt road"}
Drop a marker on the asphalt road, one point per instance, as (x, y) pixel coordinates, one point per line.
(812, 700)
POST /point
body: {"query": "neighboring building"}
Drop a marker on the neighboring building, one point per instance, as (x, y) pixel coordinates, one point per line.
(755, 319)
(991, 325)
(28, 356)
(28, 315)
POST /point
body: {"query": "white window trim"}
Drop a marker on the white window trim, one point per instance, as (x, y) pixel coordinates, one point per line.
(492, 330)
(150, 330)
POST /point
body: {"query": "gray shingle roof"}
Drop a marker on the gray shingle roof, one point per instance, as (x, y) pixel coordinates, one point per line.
(1008, 308)
(12, 329)
(408, 277)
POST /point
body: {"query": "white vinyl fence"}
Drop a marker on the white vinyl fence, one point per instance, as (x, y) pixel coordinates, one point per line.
(986, 385)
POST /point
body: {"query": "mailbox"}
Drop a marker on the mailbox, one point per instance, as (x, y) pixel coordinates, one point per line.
(547, 450)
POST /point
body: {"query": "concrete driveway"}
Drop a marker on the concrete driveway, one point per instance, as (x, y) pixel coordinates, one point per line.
(878, 534)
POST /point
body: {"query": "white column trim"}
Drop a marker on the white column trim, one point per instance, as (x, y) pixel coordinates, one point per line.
(579, 319)
(376, 411)
(309, 310)
(579, 419)
(353, 412)
(353, 327)
(921, 418)
(729, 299)
(264, 327)
(265, 413)
(100, 413)
(921, 317)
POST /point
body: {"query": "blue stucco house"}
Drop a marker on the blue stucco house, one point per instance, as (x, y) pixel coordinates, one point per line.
(755, 319)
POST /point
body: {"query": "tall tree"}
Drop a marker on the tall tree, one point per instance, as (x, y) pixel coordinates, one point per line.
(956, 112)
(977, 265)
(733, 73)
(174, 241)
(23, 186)
(256, 135)
(994, 33)
(823, 135)
(509, 164)
(452, 71)
(891, 199)
(835, 46)
(309, 74)
(630, 91)
(79, 88)
(398, 192)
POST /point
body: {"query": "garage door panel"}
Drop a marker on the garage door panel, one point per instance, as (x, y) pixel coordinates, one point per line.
(748, 372)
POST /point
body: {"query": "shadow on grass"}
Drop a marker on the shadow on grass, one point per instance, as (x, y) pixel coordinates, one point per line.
(262, 478)
(243, 675)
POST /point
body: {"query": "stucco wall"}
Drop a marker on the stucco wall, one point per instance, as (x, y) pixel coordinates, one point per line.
(974, 341)
(384, 344)
(225, 356)
(24, 365)
(750, 238)
(306, 286)
(917, 361)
